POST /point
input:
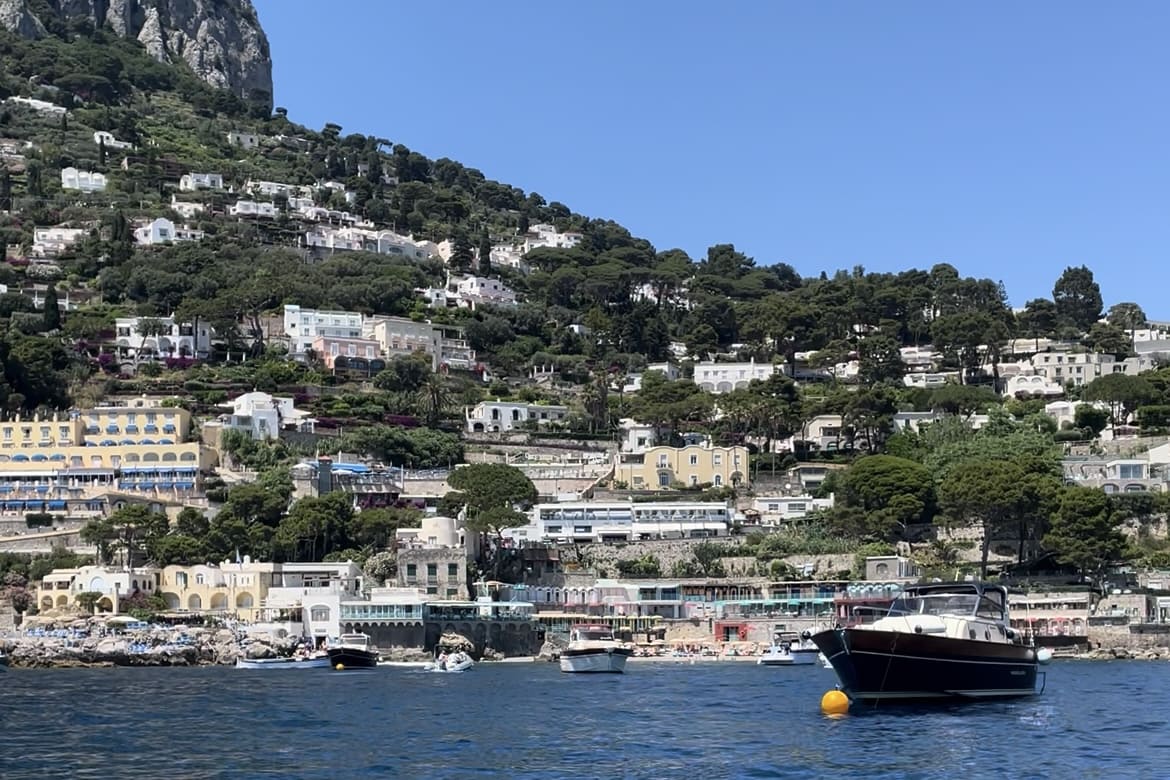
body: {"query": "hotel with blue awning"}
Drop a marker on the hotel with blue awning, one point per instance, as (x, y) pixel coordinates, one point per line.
(70, 461)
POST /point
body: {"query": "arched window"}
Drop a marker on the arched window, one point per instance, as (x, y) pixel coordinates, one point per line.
(319, 614)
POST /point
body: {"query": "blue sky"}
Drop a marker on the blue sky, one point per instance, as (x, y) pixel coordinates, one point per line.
(1009, 139)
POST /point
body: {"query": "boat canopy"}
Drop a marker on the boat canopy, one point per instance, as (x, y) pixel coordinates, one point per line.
(967, 599)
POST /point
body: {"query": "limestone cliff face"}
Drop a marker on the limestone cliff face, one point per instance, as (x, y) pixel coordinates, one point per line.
(220, 40)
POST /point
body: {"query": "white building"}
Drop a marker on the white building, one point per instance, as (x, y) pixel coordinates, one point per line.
(1081, 368)
(304, 326)
(243, 140)
(502, 416)
(263, 416)
(633, 382)
(725, 377)
(478, 290)
(1032, 386)
(185, 209)
(621, 521)
(101, 137)
(86, 181)
(274, 188)
(193, 182)
(929, 379)
(163, 231)
(636, 437)
(50, 242)
(383, 242)
(42, 106)
(779, 510)
(175, 340)
(251, 208)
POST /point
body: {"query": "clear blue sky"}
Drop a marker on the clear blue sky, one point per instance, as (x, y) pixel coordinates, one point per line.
(1009, 139)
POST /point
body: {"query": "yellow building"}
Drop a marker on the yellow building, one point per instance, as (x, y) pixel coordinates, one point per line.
(661, 468)
(237, 589)
(66, 461)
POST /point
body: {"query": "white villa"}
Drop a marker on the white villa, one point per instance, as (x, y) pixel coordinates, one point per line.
(50, 242)
(622, 521)
(503, 416)
(251, 208)
(102, 137)
(243, 140)
(176, 340)
(185, 209)
(725, 377)
(193, 182)
(263, 416)
(304, 326)
(85, 181)
(445, 344)
(163, 231)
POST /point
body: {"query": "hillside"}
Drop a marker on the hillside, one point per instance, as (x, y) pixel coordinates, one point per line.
(277, 213)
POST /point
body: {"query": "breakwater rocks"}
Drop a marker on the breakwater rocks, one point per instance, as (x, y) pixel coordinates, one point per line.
(154, 647)
(1122, 654)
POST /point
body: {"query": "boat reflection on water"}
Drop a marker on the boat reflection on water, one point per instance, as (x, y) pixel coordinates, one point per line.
(938, 641)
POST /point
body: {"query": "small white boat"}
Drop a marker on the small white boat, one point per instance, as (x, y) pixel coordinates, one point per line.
(593, 648)
(447, 664)
(309, 662)
(790, 650)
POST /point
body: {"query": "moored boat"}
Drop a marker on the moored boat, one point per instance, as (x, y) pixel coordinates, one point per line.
(790, 650)
(936, 641)
(593, 648)
(455, 662)
(352, 651)
(315, 661)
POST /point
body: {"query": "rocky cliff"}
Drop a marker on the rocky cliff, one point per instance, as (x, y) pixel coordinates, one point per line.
(220, 40)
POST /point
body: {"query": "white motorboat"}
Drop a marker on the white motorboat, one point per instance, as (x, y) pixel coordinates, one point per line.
(593, 648)
(315, 661)
(790, 650)
(445, 664)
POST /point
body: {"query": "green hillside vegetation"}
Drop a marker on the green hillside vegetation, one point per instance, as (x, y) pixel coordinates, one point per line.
(595, 313)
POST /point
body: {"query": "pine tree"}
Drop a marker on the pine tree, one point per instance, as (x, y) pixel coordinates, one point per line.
(102, 151)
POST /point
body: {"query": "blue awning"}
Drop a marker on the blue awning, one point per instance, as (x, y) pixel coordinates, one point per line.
(111, 429)
(42, 488)
(39, 457)
(56, 456)
(35, 504)
(145, 485)
(14, 505)
(165, 441)
(56, 505)
(147, 441)
(186, 469)
(5, 488)
(184, 485)
(166, 485)
(109, 443)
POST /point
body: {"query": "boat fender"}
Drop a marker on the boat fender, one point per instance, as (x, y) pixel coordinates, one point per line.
(918, 629)
(806, 635)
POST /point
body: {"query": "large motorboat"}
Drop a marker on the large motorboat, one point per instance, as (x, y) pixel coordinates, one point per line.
(790, 650)
(593, 648)
(352, 651)
(936, 641)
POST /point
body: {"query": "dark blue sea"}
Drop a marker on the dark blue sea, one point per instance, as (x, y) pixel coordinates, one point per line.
(659, 721)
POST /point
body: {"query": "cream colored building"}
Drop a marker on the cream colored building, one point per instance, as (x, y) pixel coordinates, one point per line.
(62, 462)
(61, 587)
(661, 468)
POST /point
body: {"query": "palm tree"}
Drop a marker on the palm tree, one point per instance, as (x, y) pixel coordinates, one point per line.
(433, 399)
(149, 327)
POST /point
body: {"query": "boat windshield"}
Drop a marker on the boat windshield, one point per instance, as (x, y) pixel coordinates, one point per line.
(599, 634)
(966, 604)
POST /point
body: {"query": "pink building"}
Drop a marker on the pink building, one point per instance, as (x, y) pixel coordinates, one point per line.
(348, 353)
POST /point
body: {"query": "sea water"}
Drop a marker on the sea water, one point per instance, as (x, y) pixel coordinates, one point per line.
(719, 719)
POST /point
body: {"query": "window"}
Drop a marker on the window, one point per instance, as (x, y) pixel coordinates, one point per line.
(661, 461)
(694, 460)
(717, 459)
(664, 480)
(432, 591)
(432, 570)
(718, 480)
(553, 529)
(1130, 471)
(452, 593)
(452, 570)
(319, 614)
(411, 570)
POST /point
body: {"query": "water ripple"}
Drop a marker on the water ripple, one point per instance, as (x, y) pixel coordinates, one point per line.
(701, 722)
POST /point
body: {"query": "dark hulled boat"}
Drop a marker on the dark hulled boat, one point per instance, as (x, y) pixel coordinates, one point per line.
(938, 641)
(352, 651)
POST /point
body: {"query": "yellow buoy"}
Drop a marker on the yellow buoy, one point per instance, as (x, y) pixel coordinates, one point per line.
(835, 702)
(341, 668)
